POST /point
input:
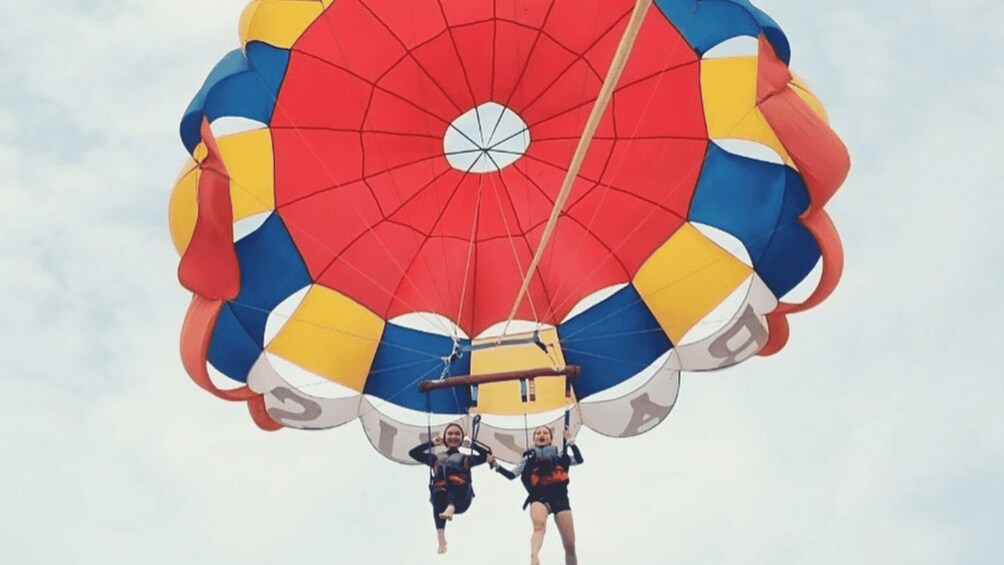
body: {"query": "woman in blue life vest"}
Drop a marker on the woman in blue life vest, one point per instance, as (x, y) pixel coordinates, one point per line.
(450, 480)
(544, 472)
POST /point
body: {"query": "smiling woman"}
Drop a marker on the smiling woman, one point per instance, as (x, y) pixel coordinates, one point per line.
(385, 192)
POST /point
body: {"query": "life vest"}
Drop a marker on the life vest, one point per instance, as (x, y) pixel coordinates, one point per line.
(546, 467)
(453, 468)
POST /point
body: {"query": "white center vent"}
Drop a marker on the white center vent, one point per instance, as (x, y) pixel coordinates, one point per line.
(486, 139)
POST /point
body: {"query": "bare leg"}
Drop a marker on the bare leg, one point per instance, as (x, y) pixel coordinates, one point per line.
(538, 515)
(442, 541)
(567, 530)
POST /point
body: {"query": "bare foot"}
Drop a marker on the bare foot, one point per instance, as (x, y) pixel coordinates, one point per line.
(448, 513)
(442, 548)
(534, 560)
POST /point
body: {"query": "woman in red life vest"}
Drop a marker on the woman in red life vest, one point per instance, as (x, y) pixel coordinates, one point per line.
(544, 472)
(450, 480)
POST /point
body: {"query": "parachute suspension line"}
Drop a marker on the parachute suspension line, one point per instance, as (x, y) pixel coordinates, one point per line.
(599, 108)
(583, 90)
(467, 266)
(512, 245)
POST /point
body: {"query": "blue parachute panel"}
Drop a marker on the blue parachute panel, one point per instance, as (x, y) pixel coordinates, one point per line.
(271, 270)
(793, 251)
(790, 257)
(231, 349)
(233, 63)
(240, 86)
(405, 357)
(742, 196)
(707, 23)
(612, 341)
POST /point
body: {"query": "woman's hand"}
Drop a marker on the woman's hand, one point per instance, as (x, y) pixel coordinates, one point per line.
(438, 440)
(569, 436)
(491, 461)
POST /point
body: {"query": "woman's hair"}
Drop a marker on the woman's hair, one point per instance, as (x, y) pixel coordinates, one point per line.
(550, 432)
(456, 425)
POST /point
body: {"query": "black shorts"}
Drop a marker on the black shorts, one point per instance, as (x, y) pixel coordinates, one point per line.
(555, 500)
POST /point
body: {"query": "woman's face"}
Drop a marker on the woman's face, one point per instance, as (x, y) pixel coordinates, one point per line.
(453, 436)
(542, 436)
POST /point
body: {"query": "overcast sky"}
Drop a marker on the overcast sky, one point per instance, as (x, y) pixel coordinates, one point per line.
(875, 437)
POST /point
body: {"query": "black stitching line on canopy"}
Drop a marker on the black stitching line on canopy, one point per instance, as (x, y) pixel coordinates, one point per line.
(672, 190)
(603, 244)
(287, 226)
(463, 239)
(568, 217)
(529, 56)
(356, 131)
(418, 192)
(351, 266)
(364, 233)
(370, 83)
(421, 246)
(442, 213)
(376, 86)
(463, 67)
(578, 57)
(370, 229)
(404, 271)
(495, 38)
(326, 328)
(361, 134)
(425, 260)
(279, 108)
(577, 198)
(456, 49)
(614, 101)
(540, 31)
(655, 205)
(582, 105)
(637, 138)
(366, 177)
(363, 178)
(539, 189)
(409, 53)
(397, 192)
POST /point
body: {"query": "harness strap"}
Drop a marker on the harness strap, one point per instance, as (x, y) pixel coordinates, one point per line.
(568, 414)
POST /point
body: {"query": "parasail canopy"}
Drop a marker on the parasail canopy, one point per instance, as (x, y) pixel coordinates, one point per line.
(385, 192)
